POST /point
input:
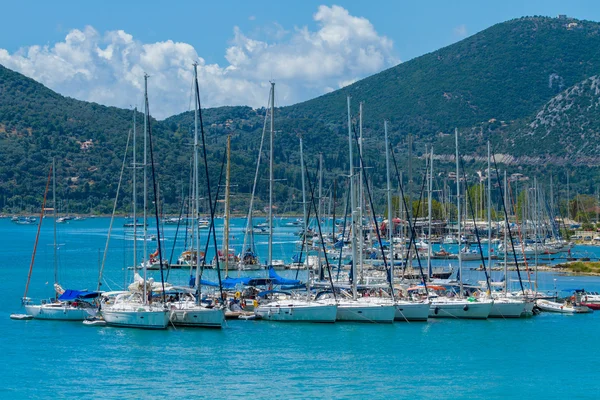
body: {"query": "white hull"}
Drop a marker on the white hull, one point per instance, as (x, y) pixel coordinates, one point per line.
(409, 311)
(143, 317)
(507, 308)
(58, 312)
(459, 308)
(198, 317)
(561, 308)
(293, 310)
(365, 312)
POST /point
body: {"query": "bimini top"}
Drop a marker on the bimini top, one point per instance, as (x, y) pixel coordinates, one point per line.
(78, 294)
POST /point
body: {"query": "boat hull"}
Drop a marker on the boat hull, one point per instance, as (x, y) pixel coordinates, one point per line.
(561, 308)
(143, 319)
(293, 312)
(461, 309)
(364, 312)
(408, 311)
(198, 317)
(503, 308)
(57, 312)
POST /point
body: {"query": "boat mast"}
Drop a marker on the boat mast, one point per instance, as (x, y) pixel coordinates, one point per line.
(226, 222)
(196, 191)
(270, 259)
(489, 207)
(37, 236)
(145, 249)
(352, 205)
(54, 227)
(458, 214)
(319, 211)
(535, 222)
(505, 239)
(305, 219)
(361, 235)
(389, 201)
(429, 190)
(134, 199)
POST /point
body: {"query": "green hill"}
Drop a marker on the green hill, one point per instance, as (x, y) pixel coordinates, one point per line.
(503, 83)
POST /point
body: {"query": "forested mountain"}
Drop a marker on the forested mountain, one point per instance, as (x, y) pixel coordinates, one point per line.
(529, 85)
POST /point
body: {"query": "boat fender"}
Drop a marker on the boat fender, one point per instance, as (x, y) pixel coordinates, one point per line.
(466, 308)
(238, 295)
(255, 303)
(436, 310)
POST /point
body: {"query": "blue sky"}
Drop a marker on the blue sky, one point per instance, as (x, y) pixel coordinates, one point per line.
(97, 51)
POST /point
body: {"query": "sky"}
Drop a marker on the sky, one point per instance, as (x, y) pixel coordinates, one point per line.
(99, 51)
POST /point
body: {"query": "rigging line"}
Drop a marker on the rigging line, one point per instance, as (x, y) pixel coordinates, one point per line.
(512, 244)
(343, 235)
(513, 205)
(304, 236)
(366, 183)
(212, 208)
(37, 236)
(156, 205)
(409, 219)
(112, 218)
(211, 230)
(183, 202)
(418, 210)
(248, 231)
(312, 190)
(469, 202)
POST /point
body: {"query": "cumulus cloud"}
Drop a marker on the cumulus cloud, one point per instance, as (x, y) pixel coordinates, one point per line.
(109, 68)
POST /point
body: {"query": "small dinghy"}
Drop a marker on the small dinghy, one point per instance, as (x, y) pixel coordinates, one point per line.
(248, 317)
(563, 308)
(23, 317)
(94, 322)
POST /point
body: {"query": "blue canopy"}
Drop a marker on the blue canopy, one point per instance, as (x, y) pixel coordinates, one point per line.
(267, 292)
(279, 280)
(77, 294)
(230, 283)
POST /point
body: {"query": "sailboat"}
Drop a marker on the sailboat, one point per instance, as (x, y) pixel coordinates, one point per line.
(355, 308)
(191, 312)
(284, 306)
(458, 306)
(67, 305)
(135, 308)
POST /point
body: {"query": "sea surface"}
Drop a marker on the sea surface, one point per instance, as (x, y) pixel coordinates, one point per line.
(549, 356)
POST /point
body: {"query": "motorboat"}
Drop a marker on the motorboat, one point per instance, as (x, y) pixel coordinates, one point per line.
(564, 308)
(282, 306)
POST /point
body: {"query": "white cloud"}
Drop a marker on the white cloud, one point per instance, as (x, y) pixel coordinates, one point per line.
(460, 31)
(108, 68)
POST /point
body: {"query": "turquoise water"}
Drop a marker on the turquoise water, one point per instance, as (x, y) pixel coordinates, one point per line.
(548, 356)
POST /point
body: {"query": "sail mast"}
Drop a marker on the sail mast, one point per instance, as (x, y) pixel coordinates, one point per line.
(305, 219)
(361, 236)
(134, 183)
(196, 191)
(429, 209)
(458, 213)
(145, 247)
(389, 200)
(226, 222)
(54, 227)
(270, 259)
(489, 208)
(352, 205)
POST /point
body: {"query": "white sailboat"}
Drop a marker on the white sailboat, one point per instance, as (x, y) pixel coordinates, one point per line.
(192, 312)
(357, 309)
(68, 305)
(284, 307)
(133, 309)
(458, 306)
